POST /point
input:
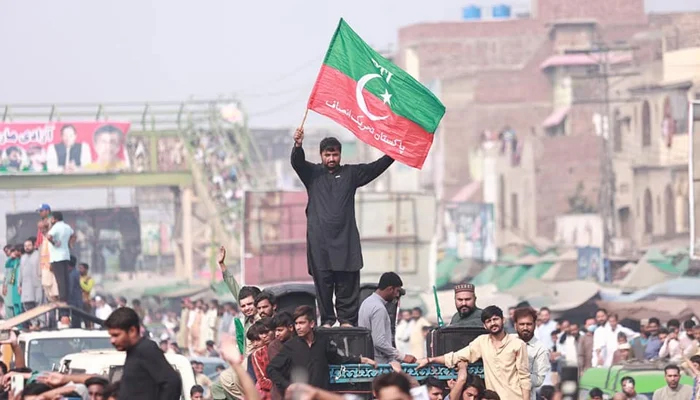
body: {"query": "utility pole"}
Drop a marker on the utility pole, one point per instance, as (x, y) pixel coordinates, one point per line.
(607, 191)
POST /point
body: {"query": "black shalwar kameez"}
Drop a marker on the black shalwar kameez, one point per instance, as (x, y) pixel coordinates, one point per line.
(333, 247)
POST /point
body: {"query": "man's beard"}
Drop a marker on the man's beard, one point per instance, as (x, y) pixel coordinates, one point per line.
(526, 336)
(465, 313)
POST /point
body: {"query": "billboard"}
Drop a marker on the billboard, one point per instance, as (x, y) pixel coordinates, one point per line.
(63, 147)
(109, 239)
(469, 231)
(591, 265)
(395, 230)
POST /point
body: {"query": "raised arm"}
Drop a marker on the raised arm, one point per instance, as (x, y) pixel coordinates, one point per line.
(303, 168)
(366, 173)
(230, 280)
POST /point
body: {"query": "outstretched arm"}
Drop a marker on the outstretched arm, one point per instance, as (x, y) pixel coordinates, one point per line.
(366, 173)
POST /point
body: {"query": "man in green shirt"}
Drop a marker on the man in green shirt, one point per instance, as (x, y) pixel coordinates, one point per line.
(468, 314)
(246, 302)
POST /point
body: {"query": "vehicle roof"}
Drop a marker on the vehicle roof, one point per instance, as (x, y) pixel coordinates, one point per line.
(63, 333)
(118, 356)
(646, 375)
(208, 360)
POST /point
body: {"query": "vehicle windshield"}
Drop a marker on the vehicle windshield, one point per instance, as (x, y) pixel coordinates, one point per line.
(45, 353)
(210, 367)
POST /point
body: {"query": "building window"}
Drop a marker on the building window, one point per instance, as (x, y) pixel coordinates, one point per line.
(670, 211)
(514, 223)
(646, 124)
(502, 201)
(648, 212)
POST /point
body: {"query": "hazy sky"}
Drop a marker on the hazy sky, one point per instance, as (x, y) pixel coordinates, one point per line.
(266, 52)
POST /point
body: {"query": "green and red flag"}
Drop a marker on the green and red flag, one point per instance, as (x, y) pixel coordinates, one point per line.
(376, 100)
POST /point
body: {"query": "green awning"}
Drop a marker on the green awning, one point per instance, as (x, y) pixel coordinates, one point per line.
(487, 275)
(654, 254)
(667, 265)
(510, 277)
(445, 270)
(537, 271)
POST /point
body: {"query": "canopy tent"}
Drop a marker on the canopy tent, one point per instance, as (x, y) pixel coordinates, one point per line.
(674, 288)
(558, 296)
(662, 308)
(642, 275)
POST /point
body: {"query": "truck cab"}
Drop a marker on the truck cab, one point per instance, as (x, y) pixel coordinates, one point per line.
(110, 364)
(43, 350)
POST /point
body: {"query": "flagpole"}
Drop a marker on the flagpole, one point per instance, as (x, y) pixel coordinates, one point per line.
(306, 113)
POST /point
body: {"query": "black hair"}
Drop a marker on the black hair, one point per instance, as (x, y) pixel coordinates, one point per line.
(266, 295)
(688, 324)
(674, 323)
(304, 311)
(68, 126)
(31, 239)
(595, 392)
(545, 309)
(267, 323)
(282, 318)
(96, 380)
(389, 279)
(695, 359)
(395, 379)
(654, 320)
(603, 310)
(196, 389)
(84, 265)
(136, 303)
(123, 318)
(111, 390)
(490, 312)
(253, 333)
(107, 129)
(432, 381)
(672, 366)
(209, 343)
(35, 389)
(329, 143)
(547, 392)
(12, 149)
(627, 379)
(57, 215)
(248, 291)
(490, 395)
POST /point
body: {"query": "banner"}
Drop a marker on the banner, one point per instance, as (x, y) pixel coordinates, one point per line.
(63, 147)
(592, 266)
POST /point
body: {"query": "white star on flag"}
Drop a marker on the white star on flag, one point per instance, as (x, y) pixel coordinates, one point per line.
(386, 97)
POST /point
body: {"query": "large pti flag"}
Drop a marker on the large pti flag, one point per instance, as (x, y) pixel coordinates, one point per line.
(378, 101)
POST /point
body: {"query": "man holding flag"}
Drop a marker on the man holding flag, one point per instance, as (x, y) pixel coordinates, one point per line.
(384, 107)
(333, 247)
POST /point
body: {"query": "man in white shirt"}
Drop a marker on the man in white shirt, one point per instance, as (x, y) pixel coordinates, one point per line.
(403, 332)
(102, 309)
(61, 238)
(538, 356)
(543, 333)
(609, 342)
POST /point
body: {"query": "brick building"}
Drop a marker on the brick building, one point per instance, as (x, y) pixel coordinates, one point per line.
(519, 86)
